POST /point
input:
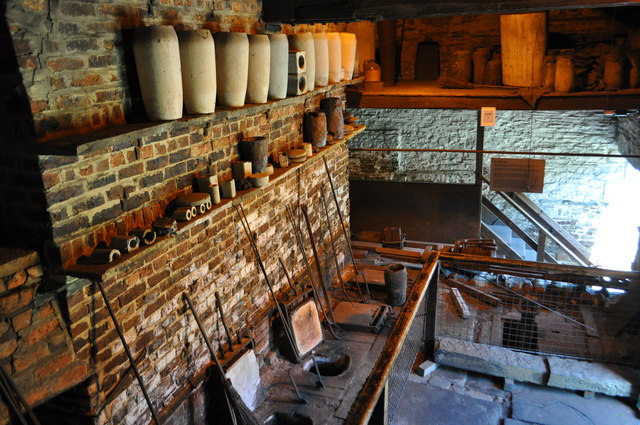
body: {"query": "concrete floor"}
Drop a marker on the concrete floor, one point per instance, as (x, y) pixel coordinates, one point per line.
(451, 396)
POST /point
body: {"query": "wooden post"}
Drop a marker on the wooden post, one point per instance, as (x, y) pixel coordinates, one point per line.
(430, 316)
(480, 148)
(387, 50)
(542, 242)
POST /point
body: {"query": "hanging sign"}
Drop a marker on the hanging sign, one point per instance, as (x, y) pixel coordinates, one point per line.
(517, 175)
(487, 116)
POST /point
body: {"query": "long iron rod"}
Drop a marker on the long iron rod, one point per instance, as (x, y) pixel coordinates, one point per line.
(347, 239)
(128, 353)
(13, 404)
(297, 232)
(286, 274)
(212, 353)
(333, 249)
(224, 322)
(323, 285)
(286, 325)
(597, 155)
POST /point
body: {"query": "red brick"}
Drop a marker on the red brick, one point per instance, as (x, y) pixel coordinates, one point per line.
(7, 348)
(88, 80)
(53, 365)
(41, 331)
(70, 378)
(117, 159)
(62, 64)
(22, 320)
(18, 279)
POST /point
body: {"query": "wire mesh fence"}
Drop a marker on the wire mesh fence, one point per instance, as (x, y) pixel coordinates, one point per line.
(403, 365)
(540, 310)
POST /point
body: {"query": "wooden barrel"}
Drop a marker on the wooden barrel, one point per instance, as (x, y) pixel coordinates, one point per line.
(523, 39)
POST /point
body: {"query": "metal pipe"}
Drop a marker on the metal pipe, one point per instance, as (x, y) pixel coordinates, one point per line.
(128, 353)
(597, 155)
(224, 322)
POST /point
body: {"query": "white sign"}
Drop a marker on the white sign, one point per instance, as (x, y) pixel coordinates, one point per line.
(488, 116)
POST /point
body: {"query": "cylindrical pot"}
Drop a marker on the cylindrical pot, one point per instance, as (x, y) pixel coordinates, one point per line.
(232, 67)
(523, 39)
(613, 73)
(348, 46)
(314, 129)
(259, 68)
(460, 65)
(157, 56)
(549, 73)
(332, 107)
(335, 57)
(256, 150)
(278, 66)
(372, 72)
(198, 62)
(395, 282)
(304, 41)
(480, 59)
(493, 71)
(634, 72)
(564, 78)
(321, 46)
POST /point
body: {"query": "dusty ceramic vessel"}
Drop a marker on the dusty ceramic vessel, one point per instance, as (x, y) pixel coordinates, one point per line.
(157, 56)
(304, 41)
(259, 68)
(198, 62)
(321, 46)
(278, 65)
(564, 75)
(348, 46)
(256, 150)
(314, 129)
(332, 107)
(232, 67)
(335, 57)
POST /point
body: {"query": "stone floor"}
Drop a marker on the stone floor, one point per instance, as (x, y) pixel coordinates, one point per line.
(451, 396)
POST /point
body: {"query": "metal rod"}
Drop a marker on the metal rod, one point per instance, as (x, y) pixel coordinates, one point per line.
(597, 155)
(298, 236)
(285, 323)
(224, 322)
(344, 230)
(286, 274)
(333, 249)
(323, 285)
(128, 353)
(10, 399)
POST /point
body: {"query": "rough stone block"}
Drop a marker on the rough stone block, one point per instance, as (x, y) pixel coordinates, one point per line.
(613, 380)
(491, 360)
(426, 368)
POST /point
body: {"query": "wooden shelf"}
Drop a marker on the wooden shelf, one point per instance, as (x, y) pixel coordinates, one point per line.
(97, 272)
(428, 95)
(84, 144)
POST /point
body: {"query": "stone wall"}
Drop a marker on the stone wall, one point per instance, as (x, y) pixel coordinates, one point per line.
(576, 188)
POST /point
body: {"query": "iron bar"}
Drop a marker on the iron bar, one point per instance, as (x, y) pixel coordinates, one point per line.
(476, 151)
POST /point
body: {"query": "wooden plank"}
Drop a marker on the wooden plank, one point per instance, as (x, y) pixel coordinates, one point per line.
(459, 303)
(369, 246)
(589, 321)
(475, 293)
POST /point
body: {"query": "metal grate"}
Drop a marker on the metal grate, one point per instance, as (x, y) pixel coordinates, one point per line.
(572, 315)
(403, 365)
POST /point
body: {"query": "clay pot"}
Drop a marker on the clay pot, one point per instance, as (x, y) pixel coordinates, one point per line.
(348, 46)
(634, 72)
(460, 66)
(278, 66)
(372, 72)
(480, 59)
(335, 57)
(304, 41)
(321, 46)
(232, 67)
(157, 56)
(259, 67)
(493, 71)
(549, 73)
(256, 150)
(314, 129)
(395, 282)
(564, 78)
(198, 61)
(613, 73)
(332, 107)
